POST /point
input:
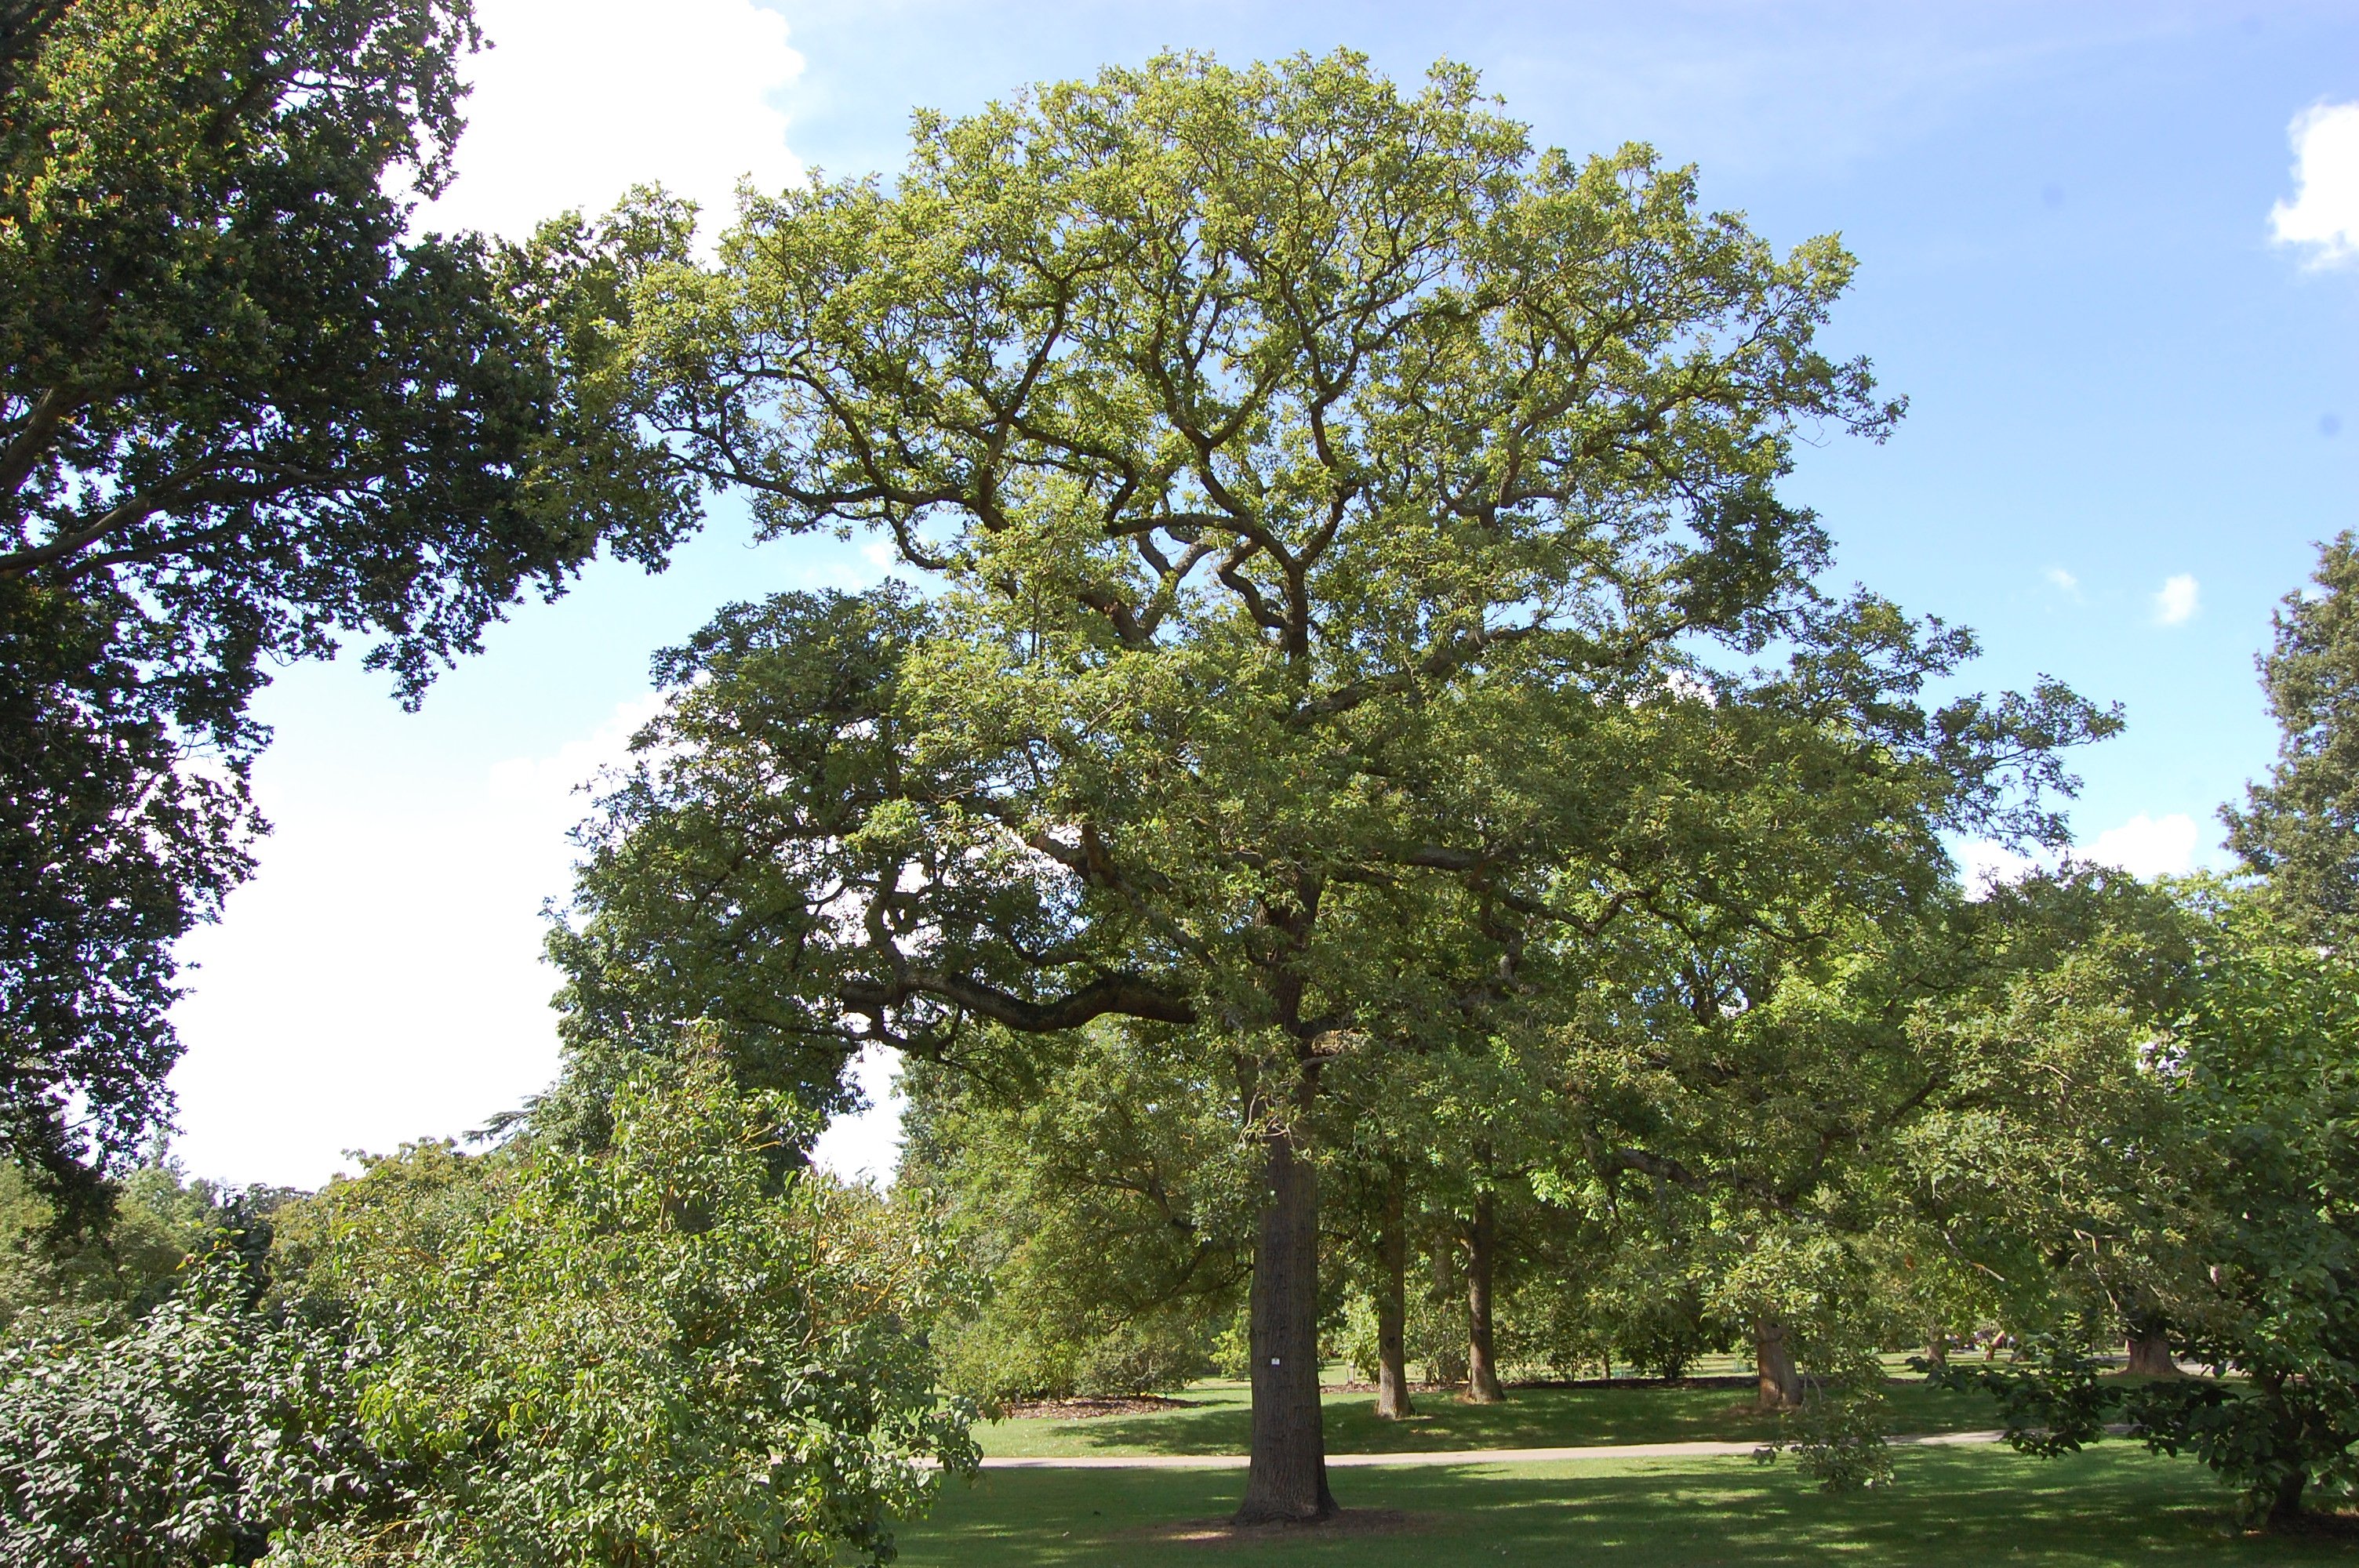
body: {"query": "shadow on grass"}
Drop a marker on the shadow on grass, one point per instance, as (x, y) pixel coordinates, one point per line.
(2111, 1508)
(1532, 1418)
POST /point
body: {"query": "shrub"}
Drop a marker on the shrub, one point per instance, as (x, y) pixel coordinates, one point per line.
(682, 1346)
(186, 1438)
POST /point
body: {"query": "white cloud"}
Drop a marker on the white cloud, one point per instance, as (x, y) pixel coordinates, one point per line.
(552, 787)
(2145, 846)
(2064, 582)
(2323, 215)
(867, 1144)
(579, 100)
(1984, 865)
(380, 978)
(2176, 602)
(2148, 846)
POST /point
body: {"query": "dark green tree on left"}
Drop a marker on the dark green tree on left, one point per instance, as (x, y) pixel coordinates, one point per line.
(245, 416)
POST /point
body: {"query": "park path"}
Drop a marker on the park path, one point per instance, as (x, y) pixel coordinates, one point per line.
(1440, 1456)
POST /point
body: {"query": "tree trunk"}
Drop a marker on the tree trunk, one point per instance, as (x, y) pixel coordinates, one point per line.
(1482, 1370)
(2285, 1502)
(1773, 1360)
(1937, 1348)
(1285, 1477)
(1392, 1306)
(1446, 1364)
(2149, 1347)
(2285, 1509)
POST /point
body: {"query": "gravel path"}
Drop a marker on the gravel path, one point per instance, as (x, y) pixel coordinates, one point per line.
(1441, 1456)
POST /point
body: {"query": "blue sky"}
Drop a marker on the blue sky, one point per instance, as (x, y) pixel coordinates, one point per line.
(2118, 377)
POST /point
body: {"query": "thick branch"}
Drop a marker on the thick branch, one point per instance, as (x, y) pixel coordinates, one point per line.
(24, 451)
(1445, 659)
(1125, 996)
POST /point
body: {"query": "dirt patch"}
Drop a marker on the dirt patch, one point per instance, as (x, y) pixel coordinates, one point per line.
(1086, 1410)
(1351, 1524)
(1734, 1380)
(2317, 1526)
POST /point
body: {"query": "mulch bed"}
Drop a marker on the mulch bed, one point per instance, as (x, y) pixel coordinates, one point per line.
(1733, 1381)
(1351, 1523)
(1739, 1380)
(1086, 1410)
(2319, 1526)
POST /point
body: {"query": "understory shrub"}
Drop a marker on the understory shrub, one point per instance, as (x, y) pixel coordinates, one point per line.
(187, 1437)
(686, 1348)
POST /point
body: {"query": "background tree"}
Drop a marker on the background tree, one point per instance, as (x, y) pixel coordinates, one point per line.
(53, 1281)
(2300, 829)
(2047, 1166)
(242, 417)
(2227, 1204)
(1104, 1201)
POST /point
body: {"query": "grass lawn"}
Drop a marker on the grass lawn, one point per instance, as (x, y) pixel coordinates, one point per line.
(1532, 1418)
(2114, 1505)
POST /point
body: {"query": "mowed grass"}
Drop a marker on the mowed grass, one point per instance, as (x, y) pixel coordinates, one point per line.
(2114, 1505)
(1218, 1418)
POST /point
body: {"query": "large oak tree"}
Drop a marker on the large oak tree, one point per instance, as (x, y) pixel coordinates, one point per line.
(1325, 498)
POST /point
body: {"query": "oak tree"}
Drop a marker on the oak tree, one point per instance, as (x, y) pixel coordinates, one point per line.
(1319, 491)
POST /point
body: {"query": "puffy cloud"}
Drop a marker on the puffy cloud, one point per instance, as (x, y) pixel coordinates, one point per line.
(380, 978)
(2144, 846)
(2176, 602)
(866, 1145)
(2148, 846)
(2323, 216)
(2064, 582)
(579, 100)
(1984, 864)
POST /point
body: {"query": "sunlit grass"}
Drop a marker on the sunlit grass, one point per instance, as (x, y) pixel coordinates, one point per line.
(2113, 1505)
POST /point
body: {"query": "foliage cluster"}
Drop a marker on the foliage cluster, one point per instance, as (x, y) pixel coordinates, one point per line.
(245, 415)
(683, 1346)
(2258, 1085)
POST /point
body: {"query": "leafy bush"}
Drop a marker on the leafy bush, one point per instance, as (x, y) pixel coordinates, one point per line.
(186, 1438)
(1837, 1436)
(53, 1278)
(1002, 1355)
(1433, 1335)
(683, 1345)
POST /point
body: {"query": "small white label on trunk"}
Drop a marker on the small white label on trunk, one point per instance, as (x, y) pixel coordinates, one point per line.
(1273, 1360)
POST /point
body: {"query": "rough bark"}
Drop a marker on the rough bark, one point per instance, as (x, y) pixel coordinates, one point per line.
(2150, 1348)
(1773, 1359)
(1482, 1369)
(1392, 1306)
(2286, 1507)
(1286, 1476)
